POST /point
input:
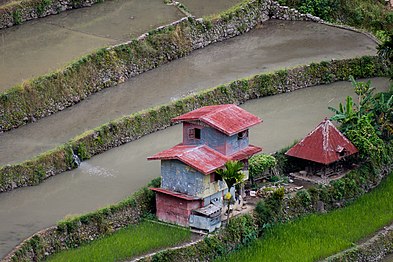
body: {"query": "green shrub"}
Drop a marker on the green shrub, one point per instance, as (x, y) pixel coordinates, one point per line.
(304, 197)
(258, 164)
(263, 213)
(17, 16)
(365, 14)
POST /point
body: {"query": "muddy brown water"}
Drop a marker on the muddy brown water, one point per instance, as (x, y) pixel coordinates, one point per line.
(41, 46)
(276, 44)
(115, 174)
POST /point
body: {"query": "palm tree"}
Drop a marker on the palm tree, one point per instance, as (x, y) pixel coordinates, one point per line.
(232, 174)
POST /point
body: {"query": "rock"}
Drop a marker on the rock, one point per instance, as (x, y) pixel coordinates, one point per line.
(321, 207)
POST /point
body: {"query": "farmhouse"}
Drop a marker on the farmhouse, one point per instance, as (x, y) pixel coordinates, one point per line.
(322, 149)
(191, 192)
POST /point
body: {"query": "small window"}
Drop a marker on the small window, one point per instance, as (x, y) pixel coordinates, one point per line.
(197, 133)
(194, 133)
(242, 135)
(214, 177)
(342, 152)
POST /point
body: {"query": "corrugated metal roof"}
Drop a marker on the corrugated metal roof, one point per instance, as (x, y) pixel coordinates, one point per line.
(203, 158)
(246, 152)
(229, 119)
(175, 194)
(323, 145)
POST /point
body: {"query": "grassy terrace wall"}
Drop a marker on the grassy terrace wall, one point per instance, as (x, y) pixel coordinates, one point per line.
(17, 12)
(372, 250)
(108, 67)
(73, 232)
(132, 127)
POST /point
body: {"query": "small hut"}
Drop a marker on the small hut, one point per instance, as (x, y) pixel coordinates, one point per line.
(323, 149)
(191, 192)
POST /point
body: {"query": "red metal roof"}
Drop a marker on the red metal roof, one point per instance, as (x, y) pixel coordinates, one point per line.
(229, 119)
(175, 194)
(246, 152)
(323, 145)
(203, 158)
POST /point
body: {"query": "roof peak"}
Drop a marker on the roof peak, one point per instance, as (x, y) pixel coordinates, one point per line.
(202, 157)
(321, 144)
(227, 118)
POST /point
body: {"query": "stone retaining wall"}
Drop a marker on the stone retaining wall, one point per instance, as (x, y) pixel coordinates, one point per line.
(45, 95)
(375, 249)
(132, 127)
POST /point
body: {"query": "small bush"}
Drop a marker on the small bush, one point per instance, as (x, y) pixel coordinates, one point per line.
(304, 197)
(263, 213)
(258, 164)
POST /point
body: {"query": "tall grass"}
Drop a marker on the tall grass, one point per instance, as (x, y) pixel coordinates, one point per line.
(371, 15)
(126, 243)
(317, 236)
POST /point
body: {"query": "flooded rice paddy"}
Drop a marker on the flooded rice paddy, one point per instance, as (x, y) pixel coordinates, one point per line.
(275, 45)
(44, 45)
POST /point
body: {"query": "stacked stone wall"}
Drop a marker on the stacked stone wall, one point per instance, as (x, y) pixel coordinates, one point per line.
(132, 127)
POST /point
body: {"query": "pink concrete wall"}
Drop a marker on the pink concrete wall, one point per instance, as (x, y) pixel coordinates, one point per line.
(175, 210)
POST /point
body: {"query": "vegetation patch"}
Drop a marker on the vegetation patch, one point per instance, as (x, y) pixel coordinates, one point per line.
(317, 236)
(373, 16)
(127, 243)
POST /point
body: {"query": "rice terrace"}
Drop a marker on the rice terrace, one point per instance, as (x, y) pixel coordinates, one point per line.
(225, 130)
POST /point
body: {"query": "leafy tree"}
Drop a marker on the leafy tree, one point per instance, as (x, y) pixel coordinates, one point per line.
(232, 174)
(260, 163)
(383, 111)
(385, 51)
(348, 115)
(365, 138)
(368, 122)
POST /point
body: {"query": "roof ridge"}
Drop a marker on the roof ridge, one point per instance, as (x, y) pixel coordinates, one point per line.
(221, 108)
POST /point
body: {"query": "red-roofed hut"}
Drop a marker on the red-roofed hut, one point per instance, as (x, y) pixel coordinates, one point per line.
(325, 145)
(191, 193)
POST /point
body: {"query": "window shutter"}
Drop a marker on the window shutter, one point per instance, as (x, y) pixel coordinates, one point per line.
(191, 133)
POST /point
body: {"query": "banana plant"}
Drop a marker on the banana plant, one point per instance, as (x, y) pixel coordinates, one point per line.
(347, 114)
(232, 174)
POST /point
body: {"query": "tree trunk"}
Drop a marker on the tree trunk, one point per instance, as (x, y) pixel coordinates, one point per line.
(229, 211)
